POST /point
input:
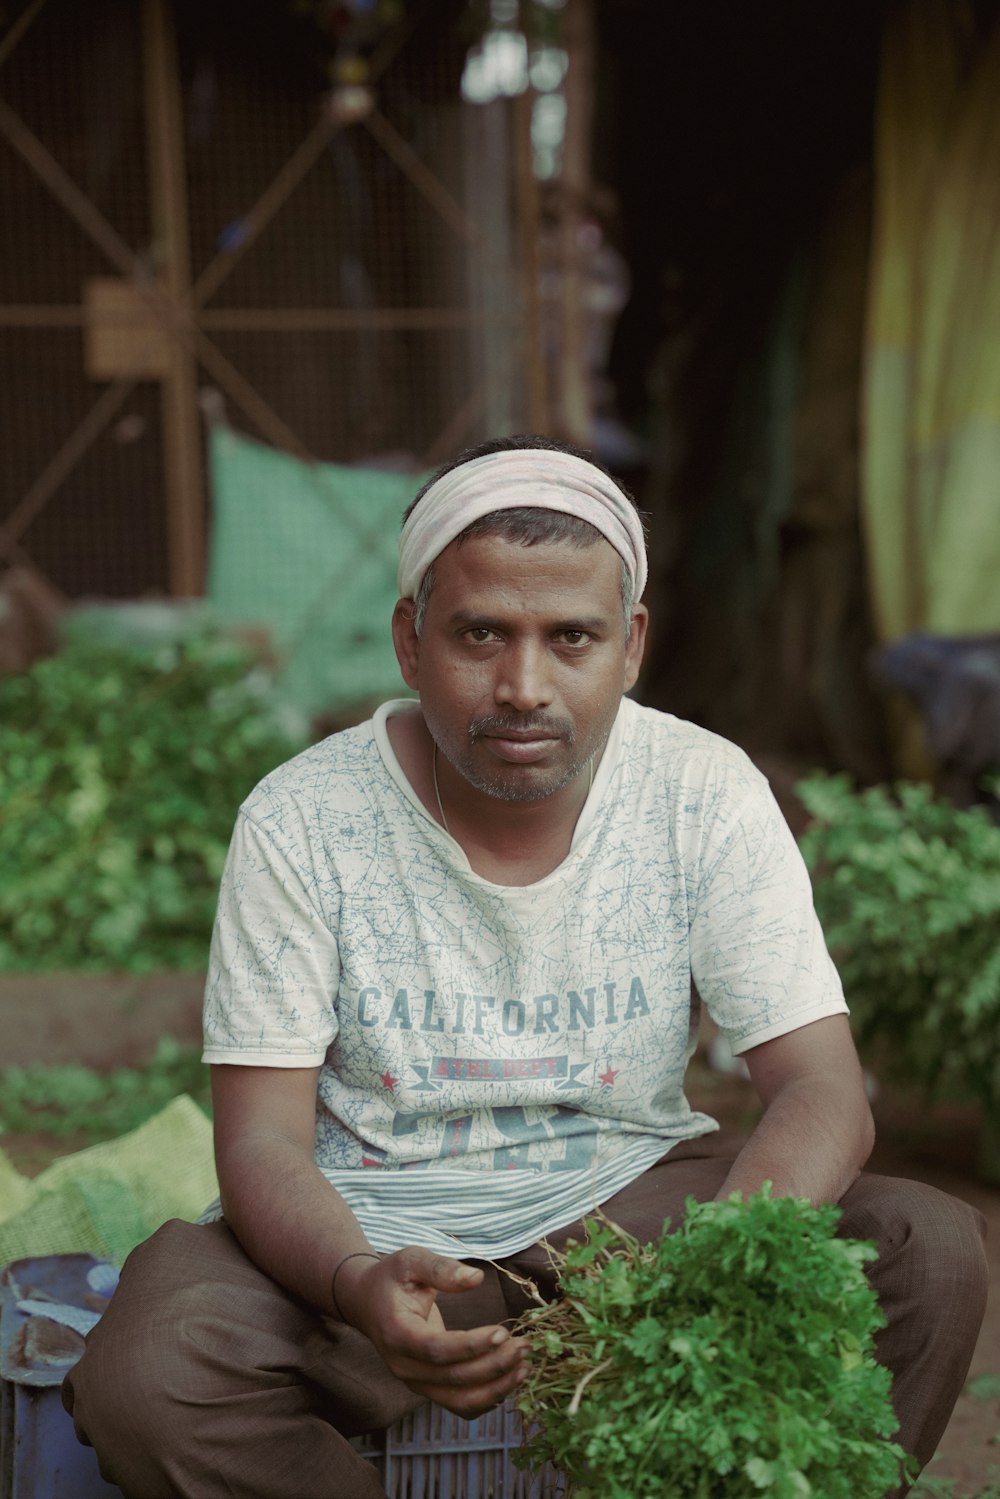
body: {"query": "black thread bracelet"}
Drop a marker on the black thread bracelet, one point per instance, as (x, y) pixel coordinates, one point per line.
(359, 1254)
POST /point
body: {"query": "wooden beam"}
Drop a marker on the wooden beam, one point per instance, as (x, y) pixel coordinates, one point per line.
(182, 453)
(450, 437)
(42, 315)
(134, 308)
(64, 189)
(122, 336)
(427, 183)
(335, 319)
(174, 313)
(528, 228)
(574, 401)
(277, 193)
(17, 28)
(61, 465)
(280, 189)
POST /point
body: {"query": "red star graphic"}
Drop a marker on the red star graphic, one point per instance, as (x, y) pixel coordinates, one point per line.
(387, 1080)
(607, 1079)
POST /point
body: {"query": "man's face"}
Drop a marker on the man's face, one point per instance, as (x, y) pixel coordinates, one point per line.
(522, 660)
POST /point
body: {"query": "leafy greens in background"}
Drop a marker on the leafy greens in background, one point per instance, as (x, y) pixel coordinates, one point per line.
(69, 1099)
(121, 771)
(929, 1487)
(907, 887)
(733, 1358)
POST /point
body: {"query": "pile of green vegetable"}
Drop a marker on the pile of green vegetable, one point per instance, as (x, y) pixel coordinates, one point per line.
(121, 771)
(69, 1099)
(734, 1358)
(928, 1487)
(908, 890)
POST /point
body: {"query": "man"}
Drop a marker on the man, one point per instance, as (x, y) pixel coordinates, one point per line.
(449, 1011)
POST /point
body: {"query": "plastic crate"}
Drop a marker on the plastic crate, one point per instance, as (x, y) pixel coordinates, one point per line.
(40, 1457)
(432, 1454)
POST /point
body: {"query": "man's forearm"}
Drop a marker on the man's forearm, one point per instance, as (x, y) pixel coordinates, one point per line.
(812, 1141)
(298, 1229)
(286, 1215)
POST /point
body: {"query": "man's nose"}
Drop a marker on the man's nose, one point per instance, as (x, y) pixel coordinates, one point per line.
(524, 681)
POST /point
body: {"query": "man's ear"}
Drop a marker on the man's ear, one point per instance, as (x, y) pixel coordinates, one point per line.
(406, 641)
(635, 645)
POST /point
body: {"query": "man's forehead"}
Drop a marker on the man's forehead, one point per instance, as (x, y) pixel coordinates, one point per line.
(488, 577)
(496, 559)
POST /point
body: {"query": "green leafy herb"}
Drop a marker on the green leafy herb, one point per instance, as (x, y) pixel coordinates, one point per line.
(74, 1100)
(984, 1387)
(120, 775)
(929, 1486)
(908, 891)
(731, 1359)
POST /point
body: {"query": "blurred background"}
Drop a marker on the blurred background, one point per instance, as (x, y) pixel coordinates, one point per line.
(746, 252)
(264, 263)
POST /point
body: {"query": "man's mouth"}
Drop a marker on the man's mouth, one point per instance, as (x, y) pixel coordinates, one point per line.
(520, 749)
(520, 743)
(521, 736)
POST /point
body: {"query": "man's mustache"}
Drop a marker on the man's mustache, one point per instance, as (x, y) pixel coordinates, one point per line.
(497, 724)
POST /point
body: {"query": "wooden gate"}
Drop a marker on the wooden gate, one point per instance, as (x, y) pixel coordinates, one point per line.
(199, 222)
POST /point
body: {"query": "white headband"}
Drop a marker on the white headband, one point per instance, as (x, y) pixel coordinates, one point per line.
(541, 478)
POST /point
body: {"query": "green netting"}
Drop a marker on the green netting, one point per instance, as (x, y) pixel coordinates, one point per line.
(110, 1197)
(309, 552)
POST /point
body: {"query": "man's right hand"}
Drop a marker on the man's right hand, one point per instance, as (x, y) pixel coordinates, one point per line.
(393, 1301)
(287, 1217)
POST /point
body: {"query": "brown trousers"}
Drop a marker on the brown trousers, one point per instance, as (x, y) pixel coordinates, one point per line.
(204, 1379)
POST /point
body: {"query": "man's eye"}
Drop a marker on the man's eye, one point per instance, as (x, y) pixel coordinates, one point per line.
(575, 637)
(480, 634)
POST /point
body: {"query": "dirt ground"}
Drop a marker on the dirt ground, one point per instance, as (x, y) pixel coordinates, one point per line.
(108, 1022)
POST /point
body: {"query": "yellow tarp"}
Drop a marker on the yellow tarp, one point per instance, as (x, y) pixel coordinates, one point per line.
(110, 1197)
(931, 440)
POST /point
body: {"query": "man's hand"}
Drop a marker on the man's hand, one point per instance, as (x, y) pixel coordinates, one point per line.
(393, 1301)
(298, 1229)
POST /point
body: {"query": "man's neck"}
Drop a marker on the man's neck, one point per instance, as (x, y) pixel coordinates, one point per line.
(506, 842)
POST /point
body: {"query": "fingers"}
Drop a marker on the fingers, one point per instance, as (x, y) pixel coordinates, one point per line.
(374, 1293)
(470, 1386)
(472, 1403)
(393, 1300)
(459, 1357)
(421, 1267)
(467, 1370)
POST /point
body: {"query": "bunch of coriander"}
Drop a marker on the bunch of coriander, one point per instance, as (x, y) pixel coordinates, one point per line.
(734, 1358)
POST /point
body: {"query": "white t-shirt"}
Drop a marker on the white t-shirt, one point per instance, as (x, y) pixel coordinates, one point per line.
(496, 1060)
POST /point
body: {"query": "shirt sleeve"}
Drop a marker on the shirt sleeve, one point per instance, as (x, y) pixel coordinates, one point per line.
(758, 955)
(273, 973)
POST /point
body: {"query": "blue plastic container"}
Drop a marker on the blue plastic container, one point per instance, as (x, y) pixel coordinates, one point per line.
(40, 1457)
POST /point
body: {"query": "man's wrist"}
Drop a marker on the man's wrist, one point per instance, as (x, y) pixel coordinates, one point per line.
(358, 1254)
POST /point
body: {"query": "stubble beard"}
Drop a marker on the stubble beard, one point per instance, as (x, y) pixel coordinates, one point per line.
(518, 783)
(506, 789)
